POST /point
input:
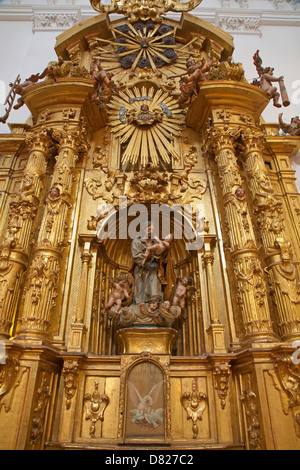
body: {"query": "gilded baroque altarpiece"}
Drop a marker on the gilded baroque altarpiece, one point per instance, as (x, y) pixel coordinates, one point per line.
(151, 111)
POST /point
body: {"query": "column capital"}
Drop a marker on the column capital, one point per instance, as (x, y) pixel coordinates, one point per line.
(74, 139)
(253, 140)
(221, 137)
(208, 258)
(38, 139)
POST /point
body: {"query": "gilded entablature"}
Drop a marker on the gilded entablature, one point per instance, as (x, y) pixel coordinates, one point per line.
(143, 9)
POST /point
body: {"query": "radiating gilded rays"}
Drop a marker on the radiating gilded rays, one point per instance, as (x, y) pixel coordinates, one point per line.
(146, 143)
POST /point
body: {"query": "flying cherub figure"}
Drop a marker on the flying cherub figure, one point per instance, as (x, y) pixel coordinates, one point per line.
(266, 79)
(118, 294)
(145, 413)
(159, 247)
(104, 85)
(291, 129)
(189, 85)
(182, 287)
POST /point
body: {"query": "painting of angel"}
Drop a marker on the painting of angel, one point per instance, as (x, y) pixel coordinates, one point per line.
(145, 401)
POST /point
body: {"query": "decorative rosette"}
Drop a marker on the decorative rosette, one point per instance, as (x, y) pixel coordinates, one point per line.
(145, 45)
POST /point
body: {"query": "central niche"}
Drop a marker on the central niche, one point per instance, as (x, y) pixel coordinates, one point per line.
(114, 259)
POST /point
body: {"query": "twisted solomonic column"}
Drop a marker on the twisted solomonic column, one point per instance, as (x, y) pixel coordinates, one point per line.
(41, 287)
(15, 247)
(281, 267)
(249, 275)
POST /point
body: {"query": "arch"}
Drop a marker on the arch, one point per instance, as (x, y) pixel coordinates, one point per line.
(144, 405)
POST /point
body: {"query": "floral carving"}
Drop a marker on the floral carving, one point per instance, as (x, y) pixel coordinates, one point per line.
(95, 405)
(221, 374)
(41, 400)
(194, 403)
(10, 378)
(248, 397)
(70, 373)
(286, 379)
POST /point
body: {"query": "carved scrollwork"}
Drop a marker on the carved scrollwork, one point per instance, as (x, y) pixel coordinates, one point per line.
(95, 405)
(41, 399)
(221, 375)
(248, 397)
(10, 378)
(144, 10)
(70, 373)
(103, 186)
(286, 379)
(194, 403)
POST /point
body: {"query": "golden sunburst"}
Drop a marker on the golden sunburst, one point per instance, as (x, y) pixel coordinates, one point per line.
(146, 121)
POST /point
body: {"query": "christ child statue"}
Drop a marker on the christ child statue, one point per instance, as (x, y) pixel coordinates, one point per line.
(159, 247)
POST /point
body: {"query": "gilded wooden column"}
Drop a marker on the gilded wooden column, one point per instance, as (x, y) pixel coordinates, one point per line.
(78, 328)
(281, 267)
(41, 288)
(215, 331)
(249, 275)
(14, 249)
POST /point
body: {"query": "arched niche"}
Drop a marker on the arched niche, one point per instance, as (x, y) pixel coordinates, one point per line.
(144, 401)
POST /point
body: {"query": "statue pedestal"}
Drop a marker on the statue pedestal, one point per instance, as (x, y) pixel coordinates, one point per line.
(138, 340)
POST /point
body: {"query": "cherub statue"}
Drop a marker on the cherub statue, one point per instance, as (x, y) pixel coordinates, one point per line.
(5, 250)
(104, 85)
(189, 84)
(54, 193)
(183, 285)
(266, 80)
(144, 116)
(293, 128)
(159, 247)
(19, 88)
(167, 314)
(118, 293)
(151, 308)
(240, 194)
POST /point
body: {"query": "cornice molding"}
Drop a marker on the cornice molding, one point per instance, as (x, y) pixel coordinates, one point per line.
(55, 21)
(231, 20)
(239, 24)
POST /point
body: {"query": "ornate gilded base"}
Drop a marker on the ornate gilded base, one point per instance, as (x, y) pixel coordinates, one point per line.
(137, 340)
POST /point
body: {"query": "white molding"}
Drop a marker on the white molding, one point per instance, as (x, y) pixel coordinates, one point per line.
(43, 20)
(239, 24)
(231, 20)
